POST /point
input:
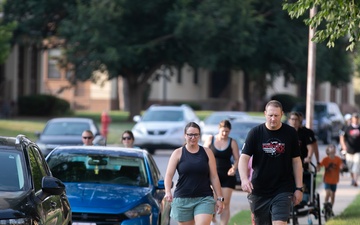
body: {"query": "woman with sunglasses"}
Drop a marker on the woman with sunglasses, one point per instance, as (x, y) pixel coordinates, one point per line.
(87, 137)
(127, 139)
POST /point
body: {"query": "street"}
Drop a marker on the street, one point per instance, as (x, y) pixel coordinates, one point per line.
(238, 200)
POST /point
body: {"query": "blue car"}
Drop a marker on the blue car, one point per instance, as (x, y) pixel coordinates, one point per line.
(111, 185)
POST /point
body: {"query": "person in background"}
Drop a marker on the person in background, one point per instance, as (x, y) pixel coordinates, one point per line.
(127, 139)
(224, 148)
(87, 137)
(332, 164)
(347, 118)
(193, 201)
(312, 144)
(350, 143)
(277, 168)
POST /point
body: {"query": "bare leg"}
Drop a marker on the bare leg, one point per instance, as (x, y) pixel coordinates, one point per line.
(225, 215)
(191, 222)
(203, 219)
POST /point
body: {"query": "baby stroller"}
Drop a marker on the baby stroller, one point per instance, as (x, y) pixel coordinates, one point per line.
(310, 205)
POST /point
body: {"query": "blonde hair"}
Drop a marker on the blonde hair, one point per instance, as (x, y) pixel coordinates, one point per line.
(329, 147)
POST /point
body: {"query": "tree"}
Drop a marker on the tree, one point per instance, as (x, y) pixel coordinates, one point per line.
(134, 38)
(6, 34)
(334, 19)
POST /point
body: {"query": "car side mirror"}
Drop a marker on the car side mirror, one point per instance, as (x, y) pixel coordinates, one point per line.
(137, 118)
(161, 184)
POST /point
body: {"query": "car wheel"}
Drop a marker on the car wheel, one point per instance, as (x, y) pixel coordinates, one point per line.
(327, 137)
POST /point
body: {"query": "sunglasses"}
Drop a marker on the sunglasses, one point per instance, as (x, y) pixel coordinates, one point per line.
(126, 138)
(87, 137)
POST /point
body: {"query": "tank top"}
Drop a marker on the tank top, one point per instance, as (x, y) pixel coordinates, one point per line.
(223, 157)
(194, 175)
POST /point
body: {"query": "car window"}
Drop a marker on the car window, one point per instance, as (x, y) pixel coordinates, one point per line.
(94, 168)
(66, 128)
(163, 115)
(12, 177)
(37, 170)
(156, 173)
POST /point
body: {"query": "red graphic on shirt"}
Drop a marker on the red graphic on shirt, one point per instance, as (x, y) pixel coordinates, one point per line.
(273, 148)
(354, 132)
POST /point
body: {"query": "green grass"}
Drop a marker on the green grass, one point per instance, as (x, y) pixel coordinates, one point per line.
(350, 216)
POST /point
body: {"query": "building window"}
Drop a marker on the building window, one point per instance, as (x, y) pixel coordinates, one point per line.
(53, 71)
(179, 75)
(196, 76)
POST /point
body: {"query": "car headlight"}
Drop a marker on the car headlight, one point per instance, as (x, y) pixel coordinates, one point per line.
(18, 221)
(177, 130)
(141, 210)
(141, 130)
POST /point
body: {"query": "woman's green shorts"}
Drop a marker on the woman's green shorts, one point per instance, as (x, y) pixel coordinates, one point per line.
(185, 209)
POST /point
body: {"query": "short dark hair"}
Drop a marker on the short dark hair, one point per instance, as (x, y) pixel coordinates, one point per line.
(274, 103)
(130, 133)
(225, 123)
(192, 124)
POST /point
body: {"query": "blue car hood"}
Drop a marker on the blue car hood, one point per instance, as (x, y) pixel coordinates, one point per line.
(98, 198)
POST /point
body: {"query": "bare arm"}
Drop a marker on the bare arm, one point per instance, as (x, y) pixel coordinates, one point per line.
(298, 175)
(342, 142)
(246, 184)
(312, 149)
(170, 171)
(236, 156)
(214, 179)
(207, 142)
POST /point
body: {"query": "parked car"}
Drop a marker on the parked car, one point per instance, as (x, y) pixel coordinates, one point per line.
(29, 193)
(162, 127)
(327, 120)
(239, 132)
(67, 131)
(210, 125)
(111, 185)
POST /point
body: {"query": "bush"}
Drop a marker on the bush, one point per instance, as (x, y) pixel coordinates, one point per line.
(287, 101)
(42, 105)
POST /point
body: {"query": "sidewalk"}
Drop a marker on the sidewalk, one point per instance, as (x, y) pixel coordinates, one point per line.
(345, 194)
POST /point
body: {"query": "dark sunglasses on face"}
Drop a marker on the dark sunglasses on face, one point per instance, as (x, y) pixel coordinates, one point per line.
(87, 137)
(126, 138)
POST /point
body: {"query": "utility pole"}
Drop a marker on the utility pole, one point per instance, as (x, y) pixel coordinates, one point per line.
(311, 72)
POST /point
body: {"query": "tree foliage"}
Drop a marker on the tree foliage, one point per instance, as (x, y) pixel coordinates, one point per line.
(133, 38)
(338, 18)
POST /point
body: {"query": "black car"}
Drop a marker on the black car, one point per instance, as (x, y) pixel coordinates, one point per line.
(327, 120)
(29, 194)
(67, 131)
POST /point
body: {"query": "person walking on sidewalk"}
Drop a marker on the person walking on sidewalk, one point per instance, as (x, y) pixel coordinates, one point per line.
(224, 148)
(277, 168)
(198, 181)
(350, 142)
(332, 164)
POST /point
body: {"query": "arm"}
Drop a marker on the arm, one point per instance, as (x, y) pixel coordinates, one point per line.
(246, 184)
(312, 149)
(298, 175)
(170, 171)
(342, 142)
(214, 179)
(208, 141)
(235, 153)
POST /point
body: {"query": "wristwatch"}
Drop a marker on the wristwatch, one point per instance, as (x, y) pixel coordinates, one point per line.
(299, 189)
(221, 199)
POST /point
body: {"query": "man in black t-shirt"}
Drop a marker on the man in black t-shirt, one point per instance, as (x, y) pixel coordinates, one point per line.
(276, 167)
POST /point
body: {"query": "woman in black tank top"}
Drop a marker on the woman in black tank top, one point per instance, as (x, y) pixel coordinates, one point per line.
(193, 201)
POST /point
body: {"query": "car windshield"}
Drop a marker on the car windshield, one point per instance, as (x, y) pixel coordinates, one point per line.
(12, 176)
(95, 168)
(163, 115)
(66, 128)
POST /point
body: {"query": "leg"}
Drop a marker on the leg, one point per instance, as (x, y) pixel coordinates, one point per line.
(260, 207)
(202, 219)
(225, 215)
(280, 208)
(192, 222)
(327, 195)
(356, 168)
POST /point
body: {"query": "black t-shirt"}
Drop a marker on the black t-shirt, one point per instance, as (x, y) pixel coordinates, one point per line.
(272, 151)
(306, 137)
(352, 139)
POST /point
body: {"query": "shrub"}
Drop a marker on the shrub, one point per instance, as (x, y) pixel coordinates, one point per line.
(42, 105)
